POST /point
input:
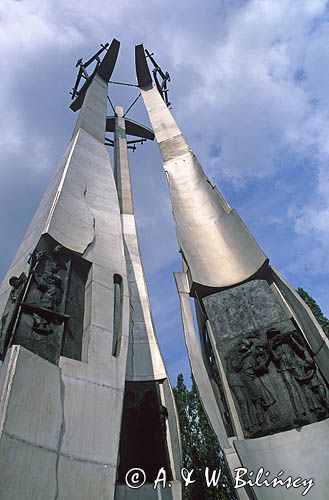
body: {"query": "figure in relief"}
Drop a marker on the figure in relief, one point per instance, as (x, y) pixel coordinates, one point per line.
(299, 373)
(248, 362)
(49, 285)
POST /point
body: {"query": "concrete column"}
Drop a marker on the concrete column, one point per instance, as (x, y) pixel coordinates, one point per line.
(121, 164)
(72, 452)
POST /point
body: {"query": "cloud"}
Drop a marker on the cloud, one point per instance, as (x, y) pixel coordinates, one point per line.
(235, 62)
(246, 82)
(254, 93)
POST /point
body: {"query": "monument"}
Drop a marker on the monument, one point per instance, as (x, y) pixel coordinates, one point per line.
(84, 394)
(262, 364)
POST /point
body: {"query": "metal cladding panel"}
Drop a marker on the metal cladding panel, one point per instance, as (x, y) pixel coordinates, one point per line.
(80, 193)
(70, 210)
(106, 67)
(44, 412)
(216, 244)
(36, 465)
(104, 70)
(92, 116)
(143, 74)
(144, 358)
(26, 392)
(172, 492)
(294, 452)
(77, 480)
(80, 210)
(196, 361)
(34, 231)
(163, 123)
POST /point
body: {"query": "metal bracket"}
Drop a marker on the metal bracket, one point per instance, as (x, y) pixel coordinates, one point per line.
(104, 68)
(163, 85)
(82, 73)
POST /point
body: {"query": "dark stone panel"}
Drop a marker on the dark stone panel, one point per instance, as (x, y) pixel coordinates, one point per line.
(143, 431)
(48, 346)
(45, 309)
(215, 376)
(117, 314)
(41, 317)
(270, 369)
(74, 308)
(244, 309)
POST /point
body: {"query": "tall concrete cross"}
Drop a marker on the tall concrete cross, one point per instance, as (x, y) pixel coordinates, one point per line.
(261, 363)
(84, 394)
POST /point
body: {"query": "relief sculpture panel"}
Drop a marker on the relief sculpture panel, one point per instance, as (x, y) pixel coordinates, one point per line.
(270, 369)
(41, 318)
(45, 309)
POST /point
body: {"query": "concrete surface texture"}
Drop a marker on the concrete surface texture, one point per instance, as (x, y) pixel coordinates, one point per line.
(60, 425)
(219, 255)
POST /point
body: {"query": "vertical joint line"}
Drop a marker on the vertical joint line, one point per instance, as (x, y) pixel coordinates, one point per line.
(108, 98)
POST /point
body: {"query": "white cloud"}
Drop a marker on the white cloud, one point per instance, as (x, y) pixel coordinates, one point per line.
(257, 94)
(247, 83)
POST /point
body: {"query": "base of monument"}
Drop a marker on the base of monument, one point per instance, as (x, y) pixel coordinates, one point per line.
(146, 492)
(40, 432)
(301, 454)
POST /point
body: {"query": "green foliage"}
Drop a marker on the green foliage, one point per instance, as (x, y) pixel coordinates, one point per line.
(200, 447)
(320, 317)
(182, 397)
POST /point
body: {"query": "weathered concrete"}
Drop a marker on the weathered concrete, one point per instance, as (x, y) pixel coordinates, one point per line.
(197, 365)
(31, 423)
(144, 360)
(218, 255)
(67, 419)
(300, 453)
(209, 227)
(148, 493)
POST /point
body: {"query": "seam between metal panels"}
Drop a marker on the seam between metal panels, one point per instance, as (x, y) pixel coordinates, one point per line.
(61, 432)
(11, 370)
(61, 184)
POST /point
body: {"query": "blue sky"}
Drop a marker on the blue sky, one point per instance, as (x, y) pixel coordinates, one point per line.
(249, 90)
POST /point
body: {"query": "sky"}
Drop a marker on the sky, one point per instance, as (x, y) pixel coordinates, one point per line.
(249, 89)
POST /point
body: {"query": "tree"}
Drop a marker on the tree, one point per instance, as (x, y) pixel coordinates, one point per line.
(315, 308)
(200, 447)
(182, 398)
